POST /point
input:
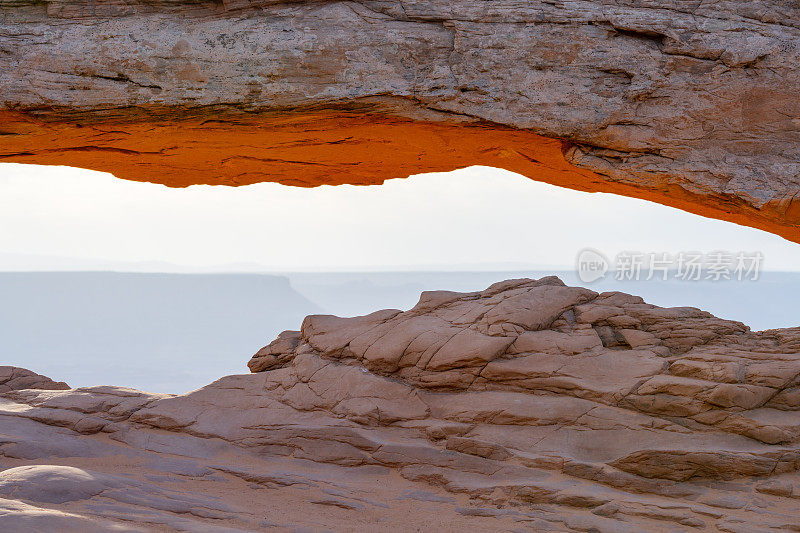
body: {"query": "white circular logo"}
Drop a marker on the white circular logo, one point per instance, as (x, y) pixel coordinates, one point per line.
(591, 265)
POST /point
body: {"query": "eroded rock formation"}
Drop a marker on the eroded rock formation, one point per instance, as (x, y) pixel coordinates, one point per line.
(529, 405)
(687, 103)
(14, 378)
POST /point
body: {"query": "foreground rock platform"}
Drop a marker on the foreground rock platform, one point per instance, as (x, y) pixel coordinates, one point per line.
(529, 406)
(686, 103)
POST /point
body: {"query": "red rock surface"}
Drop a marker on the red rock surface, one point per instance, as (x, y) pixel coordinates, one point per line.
(527, 406)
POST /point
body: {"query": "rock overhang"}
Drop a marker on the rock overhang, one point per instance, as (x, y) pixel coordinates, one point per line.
(690, 108)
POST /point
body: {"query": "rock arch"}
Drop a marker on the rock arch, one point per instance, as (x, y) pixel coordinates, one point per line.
(690, 105)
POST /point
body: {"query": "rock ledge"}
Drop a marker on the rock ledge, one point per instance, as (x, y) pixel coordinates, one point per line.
(526, 405)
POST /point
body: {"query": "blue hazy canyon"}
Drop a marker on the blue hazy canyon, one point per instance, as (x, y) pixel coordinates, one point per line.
(176, 332)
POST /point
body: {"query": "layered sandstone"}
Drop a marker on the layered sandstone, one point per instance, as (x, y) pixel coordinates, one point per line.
(527, 406)
(686, 103)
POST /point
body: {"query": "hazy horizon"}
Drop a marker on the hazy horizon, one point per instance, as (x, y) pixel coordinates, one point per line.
(112, 328)
(103, 280)
(475, 218)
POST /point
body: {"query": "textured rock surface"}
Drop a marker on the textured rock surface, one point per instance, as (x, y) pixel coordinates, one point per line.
(527, 406)
(14, 378)
(687, 103)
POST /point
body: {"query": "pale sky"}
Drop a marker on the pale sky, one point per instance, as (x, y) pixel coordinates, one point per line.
(57, 218)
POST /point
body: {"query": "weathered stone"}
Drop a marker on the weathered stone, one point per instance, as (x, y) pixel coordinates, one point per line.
(688, 104)
(425, 418)
(13, 378)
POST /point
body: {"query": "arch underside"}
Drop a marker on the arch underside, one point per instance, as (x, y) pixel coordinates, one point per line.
(335, 146)
(693, 107)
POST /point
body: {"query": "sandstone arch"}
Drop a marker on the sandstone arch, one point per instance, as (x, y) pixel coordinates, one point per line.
(688, 105)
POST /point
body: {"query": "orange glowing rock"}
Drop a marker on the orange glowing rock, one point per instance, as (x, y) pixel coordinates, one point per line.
(330, 147)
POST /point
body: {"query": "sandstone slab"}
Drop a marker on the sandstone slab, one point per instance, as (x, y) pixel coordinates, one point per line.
(351, 424)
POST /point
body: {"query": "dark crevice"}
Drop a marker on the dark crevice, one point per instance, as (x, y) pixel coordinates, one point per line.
(642, 35)
(611, 338)
(121, 78)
